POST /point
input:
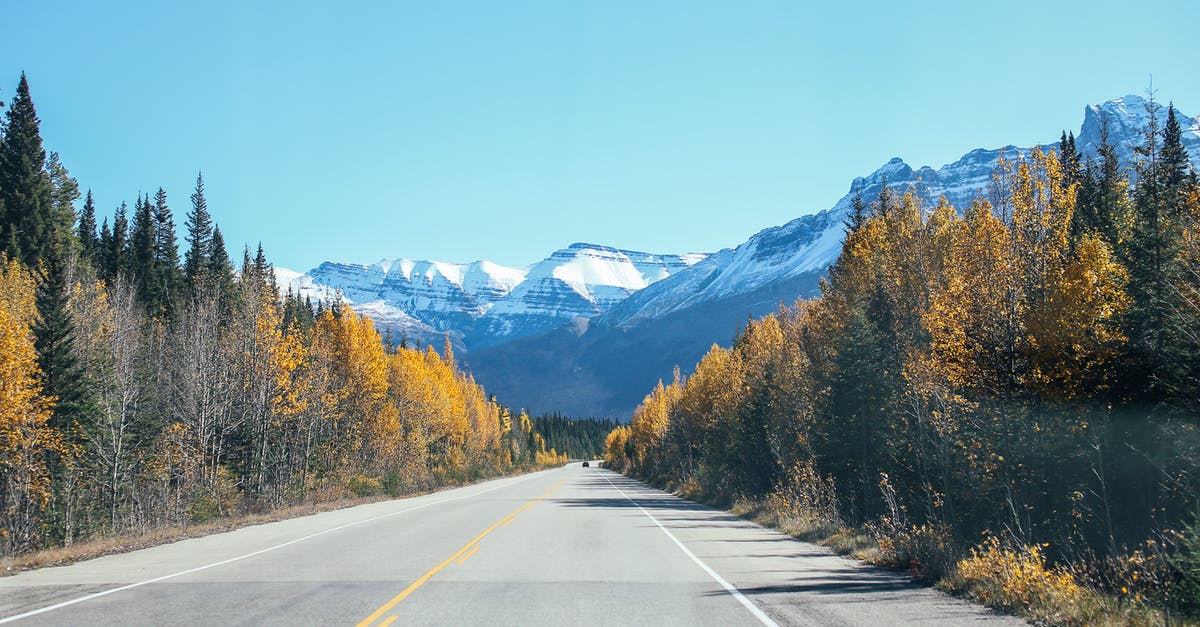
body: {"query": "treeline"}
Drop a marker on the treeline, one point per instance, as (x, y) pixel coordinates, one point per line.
(577, 438)
(139, 390)
(1028, 370)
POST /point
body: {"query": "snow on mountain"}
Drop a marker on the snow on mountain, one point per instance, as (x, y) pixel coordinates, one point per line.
(482, 303)
(809, 244)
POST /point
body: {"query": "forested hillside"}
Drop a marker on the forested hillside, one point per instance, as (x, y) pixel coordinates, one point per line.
(139, 390)
(581, 438)
(1006, 397)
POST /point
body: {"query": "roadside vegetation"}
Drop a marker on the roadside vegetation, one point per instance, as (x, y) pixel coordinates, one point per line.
(141, 392)
(1003, 400)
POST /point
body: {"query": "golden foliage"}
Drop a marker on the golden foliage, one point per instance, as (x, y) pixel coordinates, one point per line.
(26, 441)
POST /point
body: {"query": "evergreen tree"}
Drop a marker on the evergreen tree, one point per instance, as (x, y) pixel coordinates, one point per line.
(169, 280)
(54, 339)
(199, 236)
(859, 212)
(1102, 204)
(116, 251)
(28, 227)
(89, 245)
(1153, 249)
(140, 252)
(64, 192)
(885, 204)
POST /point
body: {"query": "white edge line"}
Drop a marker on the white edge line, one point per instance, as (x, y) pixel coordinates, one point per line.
(730, 588)
(189, 571)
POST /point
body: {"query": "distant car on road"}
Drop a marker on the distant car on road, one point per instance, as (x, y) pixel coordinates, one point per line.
(585, 464)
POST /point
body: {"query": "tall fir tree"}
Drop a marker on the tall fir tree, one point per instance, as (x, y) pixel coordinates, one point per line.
(220, 270)
(169, 282)
(140, 252)
(116, 250)
(859, 211)
(89, 244)
(1153, 267)
(199, 237)
(28, 226)
(64, 191)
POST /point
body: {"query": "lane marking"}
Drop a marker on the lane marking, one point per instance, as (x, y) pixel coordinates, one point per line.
(386, 607)
(467, 556)
(389, 620)
(730, 588)
(189, 571)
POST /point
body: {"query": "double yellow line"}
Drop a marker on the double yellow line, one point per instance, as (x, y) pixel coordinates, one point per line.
(468, 549)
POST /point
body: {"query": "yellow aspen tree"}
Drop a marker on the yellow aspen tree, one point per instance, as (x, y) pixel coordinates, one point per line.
(25, 437)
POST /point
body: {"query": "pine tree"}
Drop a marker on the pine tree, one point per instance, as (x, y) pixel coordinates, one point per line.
(116, 253)
(89, 245)
(859, 212)
(28, 226)
(219, 270)
(1153, 249)
(54, 339)
(140, 252)
(170, 282)
(64, 192)
(199, 236)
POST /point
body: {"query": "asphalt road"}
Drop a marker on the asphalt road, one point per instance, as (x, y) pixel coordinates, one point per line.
(571, 546)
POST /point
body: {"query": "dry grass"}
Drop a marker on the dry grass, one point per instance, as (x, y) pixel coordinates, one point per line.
(124, 543)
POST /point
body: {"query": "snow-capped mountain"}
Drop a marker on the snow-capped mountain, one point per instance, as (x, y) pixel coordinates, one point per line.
(483, 303)
(604, 367)
(811, 243)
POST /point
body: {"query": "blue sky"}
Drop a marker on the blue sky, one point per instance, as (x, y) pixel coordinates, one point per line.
(504, 130)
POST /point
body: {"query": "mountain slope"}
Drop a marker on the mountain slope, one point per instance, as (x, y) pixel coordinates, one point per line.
(604, 366)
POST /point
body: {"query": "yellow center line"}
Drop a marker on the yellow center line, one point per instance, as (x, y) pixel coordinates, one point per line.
(469, 554)
(383, 609)
(388, 621)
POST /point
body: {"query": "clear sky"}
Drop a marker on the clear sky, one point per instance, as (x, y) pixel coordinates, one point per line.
(503, 130)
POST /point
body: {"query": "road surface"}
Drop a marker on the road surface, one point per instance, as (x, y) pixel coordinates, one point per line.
(570, 546)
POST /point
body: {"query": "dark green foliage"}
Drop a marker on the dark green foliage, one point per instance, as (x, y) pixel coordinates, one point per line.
(199, 236)
(298, 313)
(1100, 207)
(114, 246)
(1153, 368)
(54, 338)
(169, 284)
(30, 224)
(858, 211)
(577, 438)
(139, 252)
(89, 244)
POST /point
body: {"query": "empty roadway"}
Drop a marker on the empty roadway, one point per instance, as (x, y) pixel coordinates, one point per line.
(566, 546)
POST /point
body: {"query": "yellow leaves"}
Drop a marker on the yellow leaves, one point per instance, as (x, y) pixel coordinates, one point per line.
(1018, 579)
(1075, 334)
(25, 438)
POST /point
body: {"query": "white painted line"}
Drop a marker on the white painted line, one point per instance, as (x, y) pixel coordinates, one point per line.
(189, 571)
(730, 588)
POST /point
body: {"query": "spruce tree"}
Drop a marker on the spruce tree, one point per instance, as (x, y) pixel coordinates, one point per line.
(199, 236)
(169, 282)
(858, 211)
(89, 245)
(54, 339)
(1153, 265)
(140, 252)
(28, 227)
(220, 270)
(64, 192)
(116, 260)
